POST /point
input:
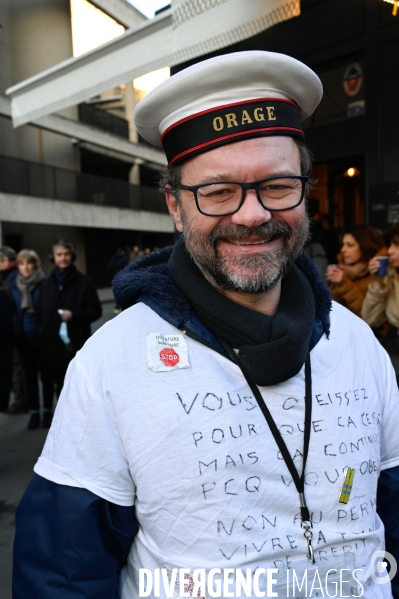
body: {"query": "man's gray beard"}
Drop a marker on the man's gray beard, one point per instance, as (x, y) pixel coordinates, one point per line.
(265, 270)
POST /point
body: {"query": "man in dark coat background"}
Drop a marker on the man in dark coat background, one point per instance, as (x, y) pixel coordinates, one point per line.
(68, 304)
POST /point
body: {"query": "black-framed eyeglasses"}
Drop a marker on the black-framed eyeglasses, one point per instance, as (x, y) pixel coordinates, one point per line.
(226, 197)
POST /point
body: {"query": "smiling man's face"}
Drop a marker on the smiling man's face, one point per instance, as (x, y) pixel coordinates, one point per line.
(248, 251)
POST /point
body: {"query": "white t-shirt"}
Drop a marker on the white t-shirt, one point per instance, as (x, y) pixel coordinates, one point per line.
(190, 448)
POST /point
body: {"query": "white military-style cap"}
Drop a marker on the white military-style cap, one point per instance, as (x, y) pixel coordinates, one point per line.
(227, 99)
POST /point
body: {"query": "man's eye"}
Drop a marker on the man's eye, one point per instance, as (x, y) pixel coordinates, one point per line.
(217, 193)
(220, 192)
(277, 189)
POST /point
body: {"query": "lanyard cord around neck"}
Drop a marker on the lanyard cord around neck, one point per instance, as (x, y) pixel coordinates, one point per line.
(299, 481)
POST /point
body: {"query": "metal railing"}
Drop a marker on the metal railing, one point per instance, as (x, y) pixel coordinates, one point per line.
(34, 179)
(103, 120)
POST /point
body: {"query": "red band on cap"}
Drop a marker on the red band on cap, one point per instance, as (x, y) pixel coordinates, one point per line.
(234, 135)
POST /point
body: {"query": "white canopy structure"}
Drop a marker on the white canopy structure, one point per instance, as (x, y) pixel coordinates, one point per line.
(189, 29)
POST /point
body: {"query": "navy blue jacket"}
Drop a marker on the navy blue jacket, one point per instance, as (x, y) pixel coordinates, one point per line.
(71, 544)
(6, 327)
(9, 275)
(25, 325)
(6, 347)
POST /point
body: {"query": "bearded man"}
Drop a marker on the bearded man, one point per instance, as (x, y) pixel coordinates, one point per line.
(247, 424)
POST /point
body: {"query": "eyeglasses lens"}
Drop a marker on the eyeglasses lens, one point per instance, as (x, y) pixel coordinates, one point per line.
(224, 198)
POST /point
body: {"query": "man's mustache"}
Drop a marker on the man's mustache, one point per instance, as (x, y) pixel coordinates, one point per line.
(238, 232)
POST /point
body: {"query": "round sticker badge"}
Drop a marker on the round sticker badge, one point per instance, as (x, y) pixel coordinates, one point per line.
(353, 78)
(169, 357)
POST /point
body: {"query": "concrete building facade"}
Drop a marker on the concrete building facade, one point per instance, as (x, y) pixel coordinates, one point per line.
(76, 174)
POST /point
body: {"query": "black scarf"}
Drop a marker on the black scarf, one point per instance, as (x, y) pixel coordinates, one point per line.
(61, 276)
(273, 349)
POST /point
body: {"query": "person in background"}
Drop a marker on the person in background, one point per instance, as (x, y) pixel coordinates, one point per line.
(8, 265)
(350, 278)
(381, 303)
(314, 247)
(68, 304)
(9, 271)
(147, 251)
(135, 254)
(25, 290)
(6, 345)
(320, 230)
(117, 262)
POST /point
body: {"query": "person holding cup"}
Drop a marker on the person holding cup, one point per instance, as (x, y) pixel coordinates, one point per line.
(350, 278)
(381, 303)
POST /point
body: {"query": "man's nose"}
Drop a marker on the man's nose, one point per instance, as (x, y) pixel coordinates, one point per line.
(251, 213)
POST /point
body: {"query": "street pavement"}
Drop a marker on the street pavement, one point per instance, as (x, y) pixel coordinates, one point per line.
(19, 451)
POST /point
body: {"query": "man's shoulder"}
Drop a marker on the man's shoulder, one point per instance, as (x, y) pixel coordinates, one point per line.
(118, 335)
(77, 274)
(11, 283)
(342, 319)
(10, 276)
(82, 280)
(49, 281)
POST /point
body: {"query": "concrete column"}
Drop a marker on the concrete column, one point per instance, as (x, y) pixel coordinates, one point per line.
(41, 37)
(6, 78)
(134, 174)
(130, 104)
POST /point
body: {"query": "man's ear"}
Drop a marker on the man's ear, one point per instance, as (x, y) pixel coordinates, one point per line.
(174, 210)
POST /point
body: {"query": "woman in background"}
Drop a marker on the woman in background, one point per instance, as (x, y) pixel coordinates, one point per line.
(349, 279)
(6, 346)
(381, 304)
(25, 294)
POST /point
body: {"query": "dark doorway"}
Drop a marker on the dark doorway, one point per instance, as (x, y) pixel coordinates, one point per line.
(149, 177)
(339, 187)
(14, 241)
(101, 244)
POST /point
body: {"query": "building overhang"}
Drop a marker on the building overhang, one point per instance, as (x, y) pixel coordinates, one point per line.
(101, 141)
(185, 32)
(120, 10)
(42, 211)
